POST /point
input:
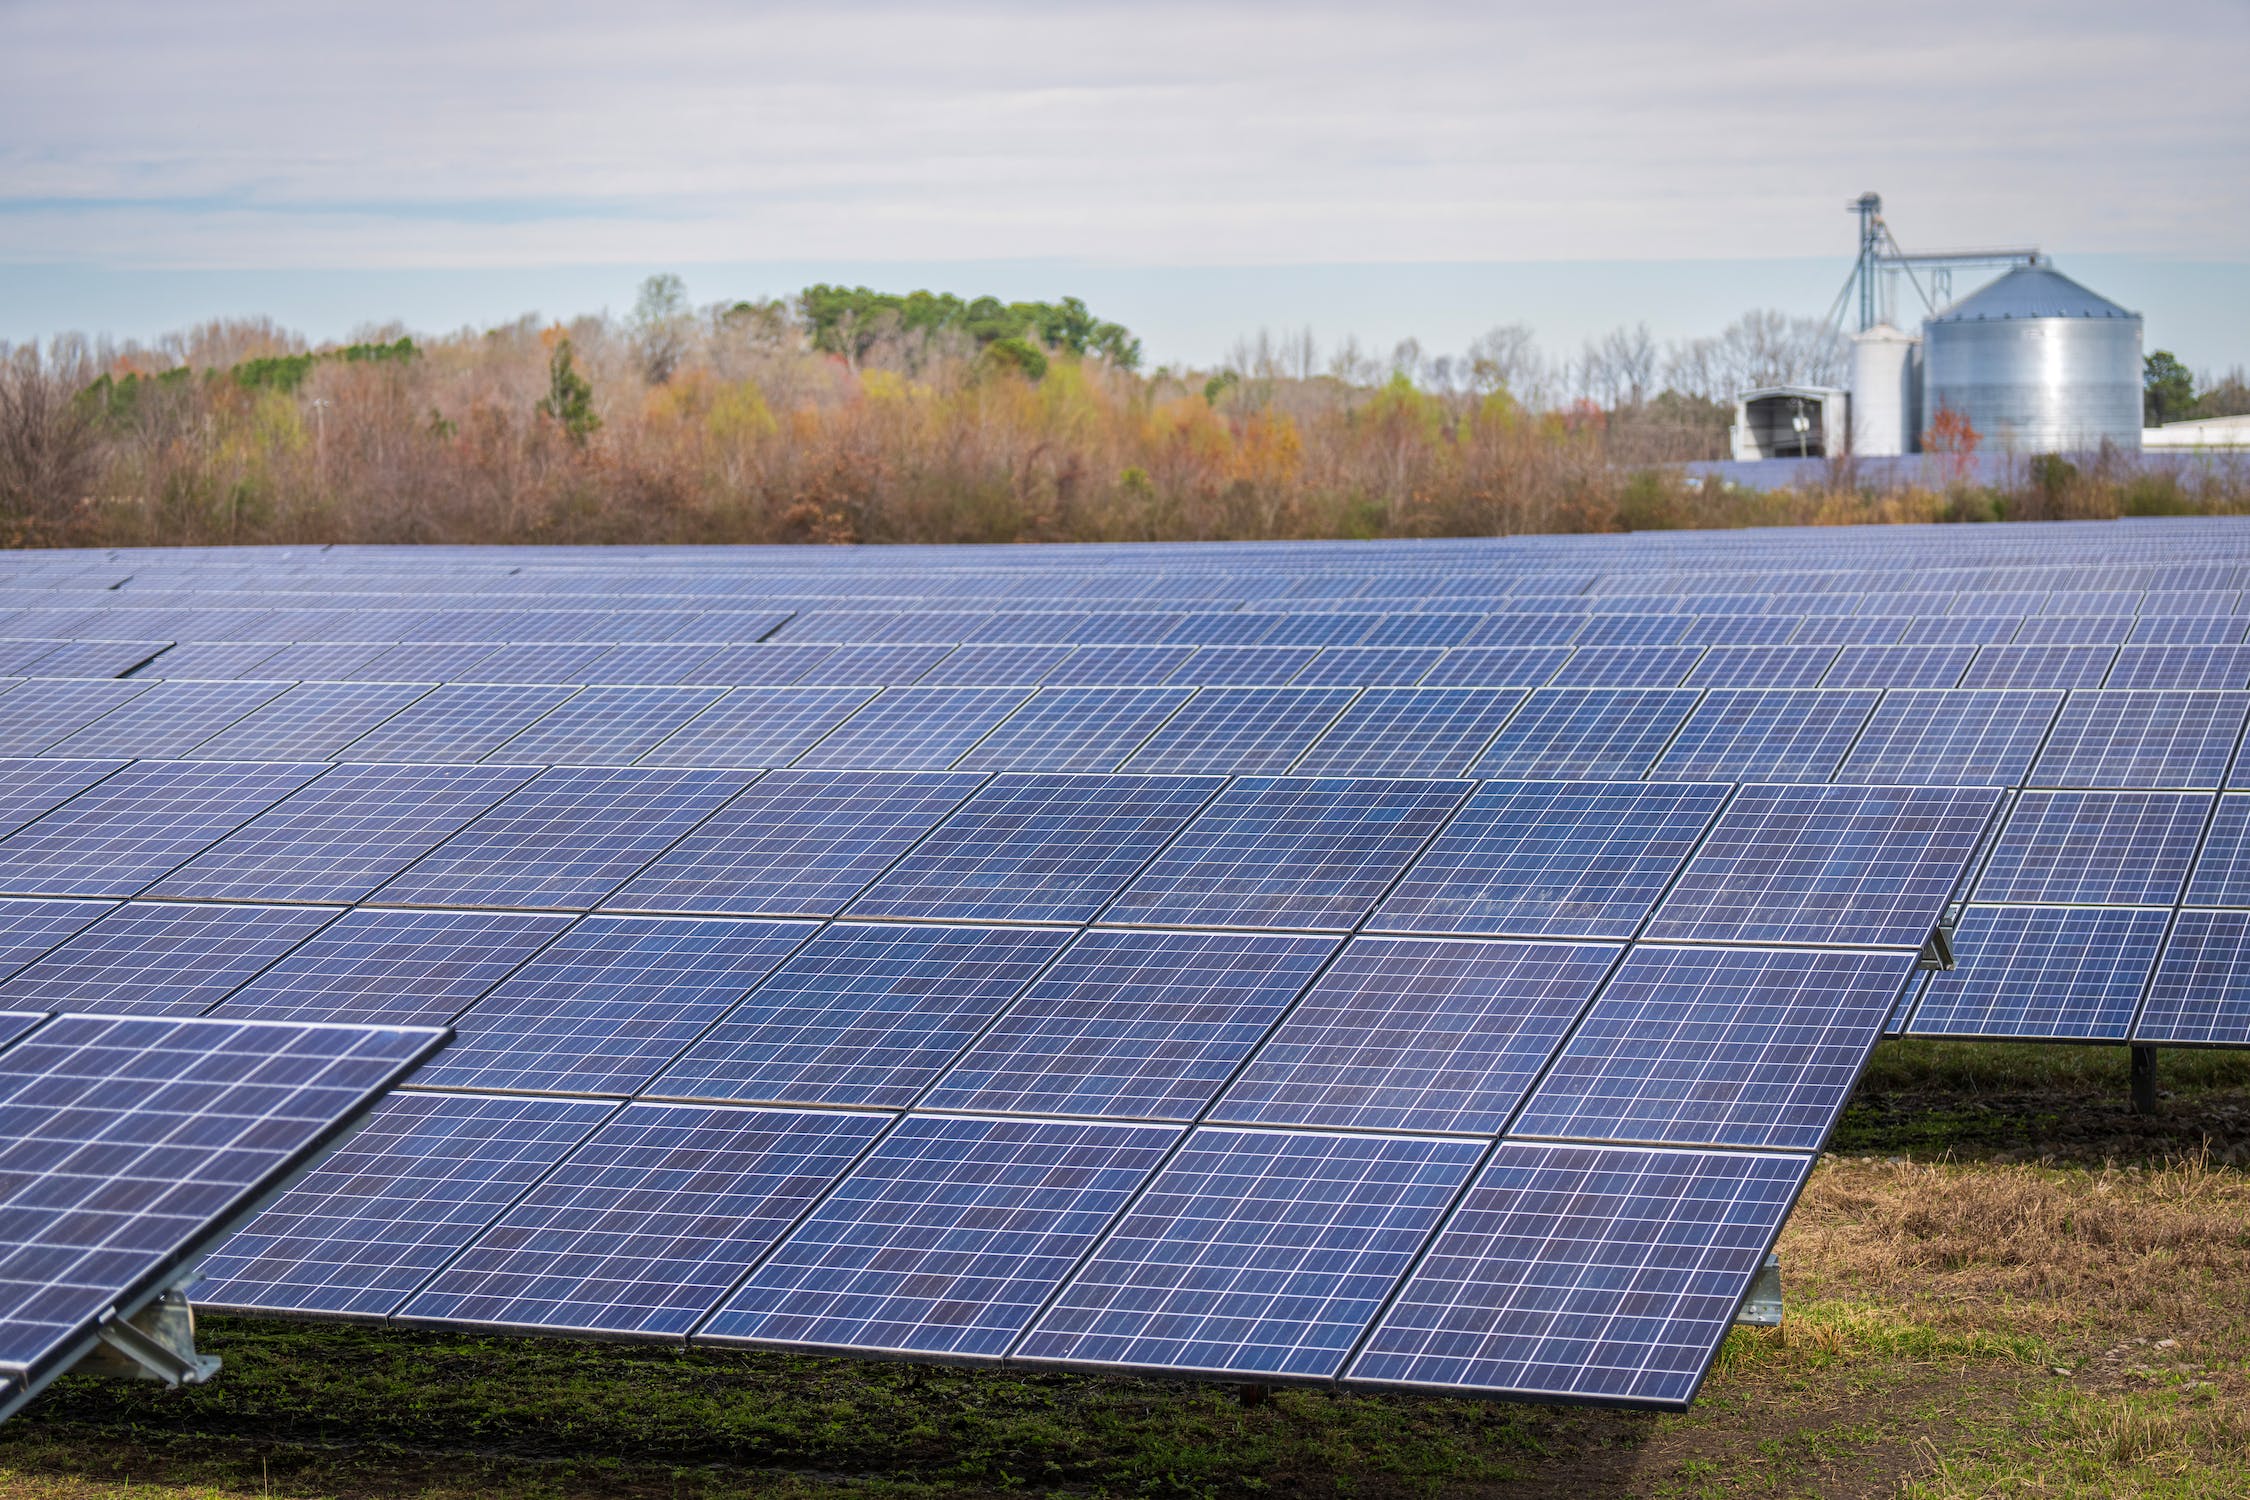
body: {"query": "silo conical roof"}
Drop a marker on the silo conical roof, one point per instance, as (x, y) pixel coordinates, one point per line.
(2031, 292)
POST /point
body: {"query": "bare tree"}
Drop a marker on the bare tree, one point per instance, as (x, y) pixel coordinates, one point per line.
(47, 447)
(1507, 358)
(662, 326)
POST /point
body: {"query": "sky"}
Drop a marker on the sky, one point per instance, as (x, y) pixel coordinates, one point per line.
(1195, 171)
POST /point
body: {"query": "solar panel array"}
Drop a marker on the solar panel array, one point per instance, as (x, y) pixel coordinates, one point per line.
(1424, 965)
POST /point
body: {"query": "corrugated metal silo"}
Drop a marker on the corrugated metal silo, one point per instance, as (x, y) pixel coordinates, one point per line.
(1886, 392)
(2038, 364)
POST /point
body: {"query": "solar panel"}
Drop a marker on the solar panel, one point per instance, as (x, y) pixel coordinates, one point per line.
(1762, 667)
(1242, 666)
(394, 967)
(1586, 733)
(1552, 859)
(1121, 666)
(1410, 732)
(946, 1239)
(1133, 1025)
(1075, 729)
(646, 1226)
(458, 721)
(127, 1143)
(99, 659)
(759, 726)
(169, 719)
(1635, 630)
(610, 1003)
(2042, 971)
(2142, 739)
(32, 927)
(344, 835)
(608, 726)
(916, 729)
(1368, 666)
(995, 666)
(865, 1014)
(797, 843)
(870, 665)
(2200, 994)
(31, 787)
(1254, 1253)
(162, 958)
(1871, 866)
(388, 1207)
(34, 715)
(1241, 730)
(117, 837)
(1289, 852)
(566, 840)
(1037, 848)
(1419, 1034)
(2222, 866)
(1594, 666)
(1762, 734)
(1744, 1047)
(314, 721)
(2096, 848)
(1586, 1273)
(2180, 667)
(1497, 666)
(2039, 667)
(1899, 667)
(1935, 738)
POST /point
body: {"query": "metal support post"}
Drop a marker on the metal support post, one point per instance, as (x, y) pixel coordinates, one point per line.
(2144, 1079)
(158, 1343)
(1762, 1308)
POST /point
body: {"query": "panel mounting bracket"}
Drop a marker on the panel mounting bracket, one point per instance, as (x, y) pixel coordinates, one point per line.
(1936, 956)
(157, 1343)
(1762, 1308)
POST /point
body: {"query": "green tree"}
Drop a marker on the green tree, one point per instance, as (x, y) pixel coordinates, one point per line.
(2167, 389)
(570, 396)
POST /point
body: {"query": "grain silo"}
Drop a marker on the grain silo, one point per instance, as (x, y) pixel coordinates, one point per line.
(2037, 364)
(1886, 391)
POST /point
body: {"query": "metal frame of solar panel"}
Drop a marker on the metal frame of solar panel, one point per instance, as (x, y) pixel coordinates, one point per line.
(1066, 1080)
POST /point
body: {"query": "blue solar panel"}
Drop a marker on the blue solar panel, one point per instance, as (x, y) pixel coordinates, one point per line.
(1590, 733)
(2142, 739)
(1898, 667)
(126, 1143)
(2178, 667)
(1038, 848)
(946, 1239)
(162, 958)
(1863, 865)
(2200, 995)
(1959, 630)
(797, 843)
(1289, 852)
(1121, 666)
(138, 825)
(1933, 737)
(31, 787)
(2096, 848)
(1552, 859)
(2222, 868)
(1526, 629)
(645, 1227)
(2044, 972)
(315, 721)
(1762, 667)
(96, 659)
(2074, 630)
(390, 1206)
(1418, 1034)
(753, 666)
(1337, 629)
(1368, 666)
(394, 967)
(2188, 630)
(1075, 729)
(1242, 666)
(873, 665)
(1497, 666)
(30, 928)
(1627, 666)
(1586, 1273)
(169, 719)
(344, 835)
(608, 726)
(1133, 1025)
(995, 666)
(759, 726)
(1761, 734)
(1719, 1047)
(1635, 630)
(1241, 730)
(611, 1002)
(33, 715)
(867, 1013)
(566, 840)
(916, 729)
(458, 721)
(1410, 732)
(1852, 630)
(1254, 1253)
(2039, 667)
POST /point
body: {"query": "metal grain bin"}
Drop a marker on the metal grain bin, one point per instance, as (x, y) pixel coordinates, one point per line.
(2038, 364)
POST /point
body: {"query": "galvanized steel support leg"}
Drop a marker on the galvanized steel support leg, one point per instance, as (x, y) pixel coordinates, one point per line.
(2144, 1079)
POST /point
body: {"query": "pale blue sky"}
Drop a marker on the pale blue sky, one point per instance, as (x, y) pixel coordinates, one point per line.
(1197, 171)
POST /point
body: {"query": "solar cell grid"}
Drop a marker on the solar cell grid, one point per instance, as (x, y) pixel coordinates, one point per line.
(1254, 1253)
(344, 835)
(566, 840)
(458, 722)
(34, 715)
(1242, 666)
(391, 1205)
(2042, 971)
(1075, 729)
(2180, 667)
(30, 927)
(99, 659)
(1934, 738)
(1762, 734)
(995, 666)
(1743, 1047)
(1415, 1034)
(31, 787)
(1603, 1274)
(2200, 993)
(1627, 666)
(1368, 666)
(1241, 730)
(1133, 1025)
(1410, 732)
(2074, 630)
(311, 720)
(2095, 848)
(1586, 733)
(117, 837)
(608, 726)
(2039, 667)
(374, 967)
(1552, 859)
(1898, 666)
(1526, 629)
(916, 729)
(865, 1014)
(1038, 848)
(1762, 667)
(758, 726)
(1497, 666)
(946, 1239)
(2142, 739)
(642, 1229)
(1122, 666)
(1870, 866)
(162, 958)
(1289, 852)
